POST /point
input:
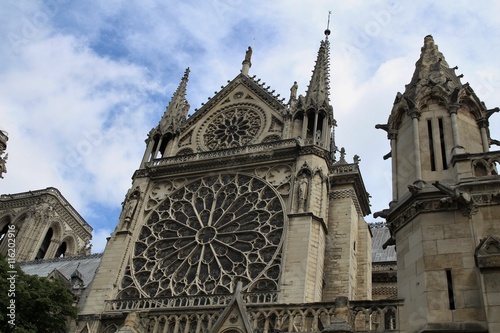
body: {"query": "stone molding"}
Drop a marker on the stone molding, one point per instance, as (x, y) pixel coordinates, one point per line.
(61, 206)
(415, 207)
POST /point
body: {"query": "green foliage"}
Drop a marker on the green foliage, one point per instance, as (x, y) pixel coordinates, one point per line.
(41, 306)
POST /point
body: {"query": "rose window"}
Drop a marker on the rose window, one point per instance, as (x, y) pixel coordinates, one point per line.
(232, 128)
(209, 234)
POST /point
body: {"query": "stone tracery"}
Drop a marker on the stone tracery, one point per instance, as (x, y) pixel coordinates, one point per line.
(206, 235)
(233, 128)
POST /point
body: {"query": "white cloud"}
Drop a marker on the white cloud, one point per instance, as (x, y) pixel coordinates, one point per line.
(99, 239)
(83, 91)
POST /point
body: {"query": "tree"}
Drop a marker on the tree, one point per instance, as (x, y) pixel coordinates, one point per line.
(40, 305)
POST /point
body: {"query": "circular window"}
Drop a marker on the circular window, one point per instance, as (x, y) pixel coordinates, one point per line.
(209, 234)
(232, 128)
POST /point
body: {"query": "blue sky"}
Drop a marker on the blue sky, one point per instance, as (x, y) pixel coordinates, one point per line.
(83, 82)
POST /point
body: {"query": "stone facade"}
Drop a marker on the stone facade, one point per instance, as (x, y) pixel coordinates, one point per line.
(45, 224)
(239, 218)
(446, 205)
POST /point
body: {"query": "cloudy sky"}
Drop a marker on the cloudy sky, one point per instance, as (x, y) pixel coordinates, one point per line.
(83, 82)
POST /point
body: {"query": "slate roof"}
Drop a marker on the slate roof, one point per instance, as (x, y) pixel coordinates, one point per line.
(87, 266)
(380, 236)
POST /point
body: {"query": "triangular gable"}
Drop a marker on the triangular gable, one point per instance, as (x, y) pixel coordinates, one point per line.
(488, 253)
(255, 90)
(234, 318)
(56, 275)
(242, 113)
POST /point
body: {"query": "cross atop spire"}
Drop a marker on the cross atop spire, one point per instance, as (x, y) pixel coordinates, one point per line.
(327, 31)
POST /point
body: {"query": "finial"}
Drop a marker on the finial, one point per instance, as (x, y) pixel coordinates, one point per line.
(327, 31)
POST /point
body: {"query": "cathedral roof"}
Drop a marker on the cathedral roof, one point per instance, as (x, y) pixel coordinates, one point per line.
(381, 234)
(67, 266)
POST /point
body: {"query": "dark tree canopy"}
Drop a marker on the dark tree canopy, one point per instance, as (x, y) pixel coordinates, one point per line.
(41, 305)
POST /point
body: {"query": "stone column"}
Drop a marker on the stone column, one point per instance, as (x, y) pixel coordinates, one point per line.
(457, 147)
(305, 121)
(415, 115)
(315, 126)
(394, 161)
(148, 152)
(483, 125)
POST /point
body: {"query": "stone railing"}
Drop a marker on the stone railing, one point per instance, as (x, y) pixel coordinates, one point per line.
(262, 147)
(344, 168)
(186, 301)
(198, 314)
(360, 316)
(167, 302)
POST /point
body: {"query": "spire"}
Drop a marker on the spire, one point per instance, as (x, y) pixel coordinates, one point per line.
(177, 109)
(319, 88)
(431, 70)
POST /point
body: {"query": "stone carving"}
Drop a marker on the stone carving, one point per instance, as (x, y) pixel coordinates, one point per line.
(232, 128)
(209, 233)
(248, 54)
(317, 139)
(278, 176)
(129, 208)
(293, 91)
(3, 167)
(303, 192)
(488, 253)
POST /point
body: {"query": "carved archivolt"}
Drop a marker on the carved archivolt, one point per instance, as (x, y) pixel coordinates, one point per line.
(208, 234)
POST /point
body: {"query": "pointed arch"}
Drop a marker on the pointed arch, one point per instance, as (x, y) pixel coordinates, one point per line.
(297, 123)
(67, 246)
(5, 223)
(44, 246)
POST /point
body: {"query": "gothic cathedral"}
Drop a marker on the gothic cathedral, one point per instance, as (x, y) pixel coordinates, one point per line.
(246, 217)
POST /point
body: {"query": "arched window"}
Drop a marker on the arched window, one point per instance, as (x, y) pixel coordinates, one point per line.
(45, 245)
(390, 320)
(61, 251)
(3, 232)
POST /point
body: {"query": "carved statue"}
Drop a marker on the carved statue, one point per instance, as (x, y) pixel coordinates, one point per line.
(293, 91)
(342, 153)
(129, 209)
(3, 167)
(303, 187)
(248, 54)
(317, 139)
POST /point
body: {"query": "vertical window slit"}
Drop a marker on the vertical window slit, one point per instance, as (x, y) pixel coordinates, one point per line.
(441, 139)
(431, 145)
(451, 297)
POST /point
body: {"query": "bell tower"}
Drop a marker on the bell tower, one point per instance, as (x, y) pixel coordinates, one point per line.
(445, 200)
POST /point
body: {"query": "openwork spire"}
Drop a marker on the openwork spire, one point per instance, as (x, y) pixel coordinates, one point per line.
(318, 92)
(177, 109)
